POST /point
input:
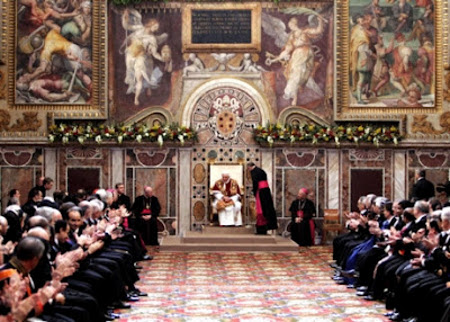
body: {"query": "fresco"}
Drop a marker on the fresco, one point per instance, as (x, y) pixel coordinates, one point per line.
(293, 68)
(392, 53)
(54, 50)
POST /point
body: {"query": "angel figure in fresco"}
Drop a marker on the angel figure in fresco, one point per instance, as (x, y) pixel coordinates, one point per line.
(141, 51)
(298, 52)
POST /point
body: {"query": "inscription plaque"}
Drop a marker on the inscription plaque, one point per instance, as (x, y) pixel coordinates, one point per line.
(221, 26)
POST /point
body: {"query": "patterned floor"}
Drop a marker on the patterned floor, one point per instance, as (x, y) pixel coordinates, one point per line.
(247, 287)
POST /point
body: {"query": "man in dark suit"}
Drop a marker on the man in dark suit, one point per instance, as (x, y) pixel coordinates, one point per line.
(146, 208)
(122, 198)
(422, 189)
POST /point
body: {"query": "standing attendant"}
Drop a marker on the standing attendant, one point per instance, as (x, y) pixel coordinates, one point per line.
(146, 208)
(266, 217)
(302, 211)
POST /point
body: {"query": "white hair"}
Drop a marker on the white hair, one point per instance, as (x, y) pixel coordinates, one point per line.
(445, 215)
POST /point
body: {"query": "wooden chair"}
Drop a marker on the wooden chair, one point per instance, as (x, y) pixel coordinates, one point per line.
(331, 222)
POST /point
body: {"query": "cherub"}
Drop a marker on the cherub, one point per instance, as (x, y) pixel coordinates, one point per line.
(247, 65)
(196, 65)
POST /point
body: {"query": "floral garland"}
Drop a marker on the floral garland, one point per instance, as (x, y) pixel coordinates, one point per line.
(314, 133)
(66, 133)
(127, 2)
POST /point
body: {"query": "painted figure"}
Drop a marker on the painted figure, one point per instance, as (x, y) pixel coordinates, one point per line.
(298, 53)
(140, 54)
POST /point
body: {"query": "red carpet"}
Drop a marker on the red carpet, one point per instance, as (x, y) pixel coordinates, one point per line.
(247, 287)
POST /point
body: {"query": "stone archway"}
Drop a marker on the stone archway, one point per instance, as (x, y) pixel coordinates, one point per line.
(224, 112)
(224, 109)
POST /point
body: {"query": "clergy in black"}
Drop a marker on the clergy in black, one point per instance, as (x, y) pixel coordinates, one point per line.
(146, 208)
(266, 217)
(302, 211)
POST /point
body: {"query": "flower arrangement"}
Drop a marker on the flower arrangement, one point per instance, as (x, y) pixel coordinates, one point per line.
(127, 2)
(375, 134)
(66, 133)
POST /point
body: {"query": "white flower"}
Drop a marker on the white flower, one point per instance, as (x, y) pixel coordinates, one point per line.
(181, 138)
(98, 139)
(395, 140)
(270, 140)
(336, 139)
(139, 138)
(81, 139)
(292, 139)
(65, 139)
(51, 138)
(356, 139)
(88, 129)
(120, 139)
(160, 140)
(367, 130)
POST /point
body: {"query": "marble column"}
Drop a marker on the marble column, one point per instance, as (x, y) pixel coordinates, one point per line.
(184, 191)
(50, 168)
(333, 180)
(117, 167)
(400, 177)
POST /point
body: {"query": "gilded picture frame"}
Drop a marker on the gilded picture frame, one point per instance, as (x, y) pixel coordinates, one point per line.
(357, 86)
(254, 45)
(72, 83)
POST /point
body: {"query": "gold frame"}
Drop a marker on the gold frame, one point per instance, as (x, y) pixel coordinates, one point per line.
(95, 110)
(343, 110)
(186, 32)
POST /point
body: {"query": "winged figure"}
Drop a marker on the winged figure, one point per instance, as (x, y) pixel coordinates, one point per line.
(297, 50)
(222, 61)
(142, 46)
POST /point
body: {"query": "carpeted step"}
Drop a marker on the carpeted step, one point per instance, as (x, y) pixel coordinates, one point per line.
(202, 238)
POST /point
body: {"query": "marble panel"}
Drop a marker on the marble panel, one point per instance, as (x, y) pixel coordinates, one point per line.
(173, 191)
(103, 163)
(157, 179)
(50, 167)
(400, 188)
(117, 166)
(16, 178)
(184, 186)
(333, 180)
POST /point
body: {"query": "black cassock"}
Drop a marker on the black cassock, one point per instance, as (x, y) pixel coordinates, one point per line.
(148, 229)
(303, 233)
(262, 190)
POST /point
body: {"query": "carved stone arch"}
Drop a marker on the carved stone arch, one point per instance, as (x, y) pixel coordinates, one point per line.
(151, 116)
(225, 111)
(295, 115)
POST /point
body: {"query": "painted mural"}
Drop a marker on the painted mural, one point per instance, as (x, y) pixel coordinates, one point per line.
(392, 54)
(293, 68)
(54, 50)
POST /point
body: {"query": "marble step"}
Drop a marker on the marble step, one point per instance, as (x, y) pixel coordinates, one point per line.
(277, 244)
(207, 238)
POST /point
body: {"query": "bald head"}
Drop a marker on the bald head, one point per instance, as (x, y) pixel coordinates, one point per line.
(148, 191)
(39, 232)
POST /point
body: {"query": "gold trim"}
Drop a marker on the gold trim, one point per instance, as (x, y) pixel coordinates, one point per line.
(186, 32)
(98, 108)
(343, 110)
(446, 40)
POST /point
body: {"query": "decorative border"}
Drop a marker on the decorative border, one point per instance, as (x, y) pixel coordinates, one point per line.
(98, 108)
(186, 36)
(343, 110)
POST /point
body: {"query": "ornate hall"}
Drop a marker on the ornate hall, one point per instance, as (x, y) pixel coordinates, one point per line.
(249, 134)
